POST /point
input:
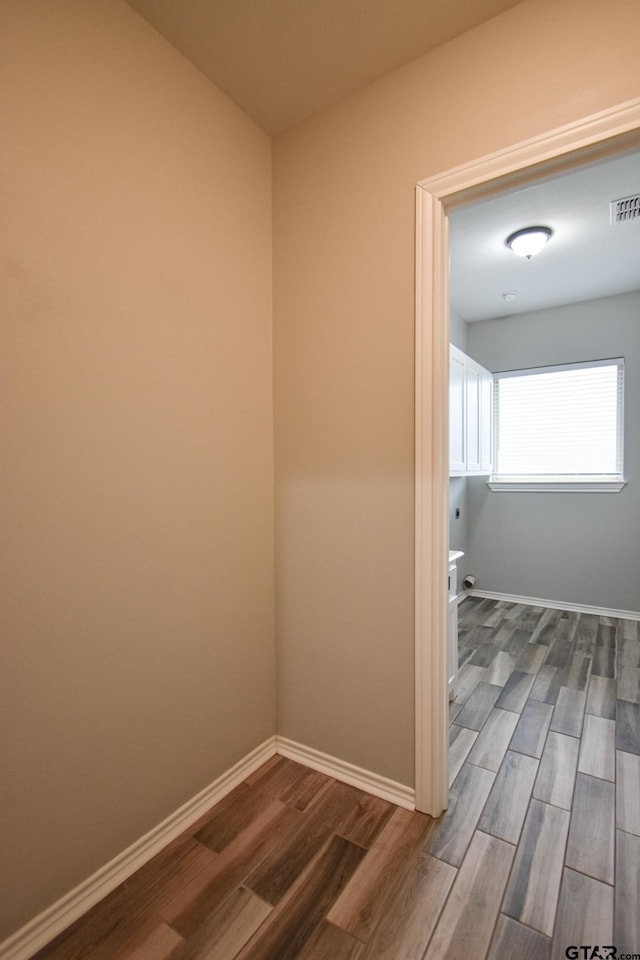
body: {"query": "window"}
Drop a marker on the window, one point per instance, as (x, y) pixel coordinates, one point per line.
(559, 428)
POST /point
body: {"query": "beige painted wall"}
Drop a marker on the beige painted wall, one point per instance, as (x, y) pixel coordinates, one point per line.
(137, 496)
(344, 356)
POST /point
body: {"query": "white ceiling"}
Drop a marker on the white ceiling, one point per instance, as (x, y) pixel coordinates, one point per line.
(283, 60)
(586, 258)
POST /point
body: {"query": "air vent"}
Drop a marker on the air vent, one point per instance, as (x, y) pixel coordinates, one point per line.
(628, 208)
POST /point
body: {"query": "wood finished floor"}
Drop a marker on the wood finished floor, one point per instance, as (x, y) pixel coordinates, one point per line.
(539, 849)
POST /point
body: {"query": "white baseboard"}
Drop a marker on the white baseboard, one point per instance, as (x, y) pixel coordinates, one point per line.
(348, 773)
(555, 605)
(42, 929)
(56, 918)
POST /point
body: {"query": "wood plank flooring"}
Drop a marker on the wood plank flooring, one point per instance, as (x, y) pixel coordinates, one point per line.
(539, 849)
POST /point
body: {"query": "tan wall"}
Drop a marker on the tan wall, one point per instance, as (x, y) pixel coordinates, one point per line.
(344, 323)
(137, 610)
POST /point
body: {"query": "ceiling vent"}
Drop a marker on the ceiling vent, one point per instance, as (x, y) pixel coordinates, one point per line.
(628, 208)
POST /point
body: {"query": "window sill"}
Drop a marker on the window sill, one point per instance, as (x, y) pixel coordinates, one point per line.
(556, 486)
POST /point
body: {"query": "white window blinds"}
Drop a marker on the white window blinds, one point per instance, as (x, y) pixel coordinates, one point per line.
(561, 423)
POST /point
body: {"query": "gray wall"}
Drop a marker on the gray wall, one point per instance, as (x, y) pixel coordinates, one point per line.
(458, 331)
(458, 499)
(569, 547)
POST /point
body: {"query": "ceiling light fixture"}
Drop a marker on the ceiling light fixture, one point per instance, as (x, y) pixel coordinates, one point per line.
(529, 241)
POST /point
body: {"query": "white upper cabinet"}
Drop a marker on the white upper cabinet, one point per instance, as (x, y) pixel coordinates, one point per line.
(473, 408)
(486, 422)
(457, 412)
(470, 420)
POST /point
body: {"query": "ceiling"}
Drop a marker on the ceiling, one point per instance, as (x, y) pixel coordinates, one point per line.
(281, 61)
(586, 258)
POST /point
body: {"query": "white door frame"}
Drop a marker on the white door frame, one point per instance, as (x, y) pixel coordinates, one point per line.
(596, 136)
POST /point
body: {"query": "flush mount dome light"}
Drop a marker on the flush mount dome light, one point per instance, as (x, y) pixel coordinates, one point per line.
(529, 241)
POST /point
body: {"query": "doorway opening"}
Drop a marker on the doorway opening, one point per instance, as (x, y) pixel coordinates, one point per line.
(592, 139)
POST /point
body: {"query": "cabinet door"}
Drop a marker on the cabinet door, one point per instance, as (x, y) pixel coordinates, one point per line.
(474, 406)
(470, 415)
(457, 412)
(486, 422)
